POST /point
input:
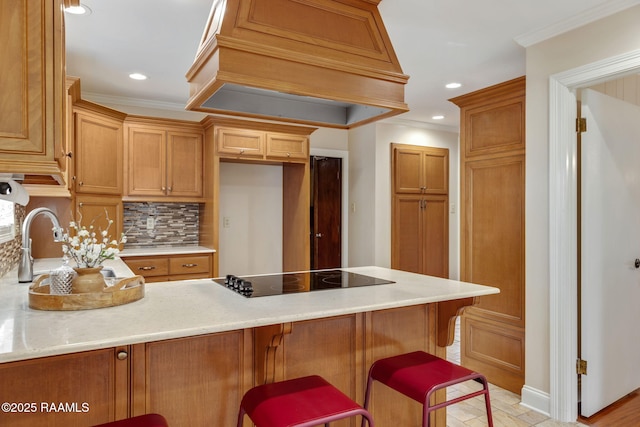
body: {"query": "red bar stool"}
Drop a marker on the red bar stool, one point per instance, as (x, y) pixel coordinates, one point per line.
(418, 375)
(147, 420)
(300, 402)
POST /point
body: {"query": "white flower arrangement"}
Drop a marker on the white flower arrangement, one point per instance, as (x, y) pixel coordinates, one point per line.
(89, 247)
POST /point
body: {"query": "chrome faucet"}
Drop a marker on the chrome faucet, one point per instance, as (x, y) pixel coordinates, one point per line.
(25, 268)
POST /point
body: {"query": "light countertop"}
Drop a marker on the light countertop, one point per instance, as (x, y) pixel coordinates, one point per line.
(194, 307)
(165, 250)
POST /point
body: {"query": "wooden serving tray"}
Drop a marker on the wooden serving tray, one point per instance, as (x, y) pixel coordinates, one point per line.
(125, 291)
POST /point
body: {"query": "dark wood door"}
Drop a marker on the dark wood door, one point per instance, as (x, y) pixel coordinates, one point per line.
(326, 217)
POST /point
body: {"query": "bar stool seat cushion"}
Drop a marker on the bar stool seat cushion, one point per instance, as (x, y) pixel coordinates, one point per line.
(414, 374)
(147, 420)
(298, 402)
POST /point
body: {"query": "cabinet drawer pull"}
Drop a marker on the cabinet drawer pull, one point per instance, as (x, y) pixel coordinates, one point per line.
(122, 355)
(189, 265)
(151, 267)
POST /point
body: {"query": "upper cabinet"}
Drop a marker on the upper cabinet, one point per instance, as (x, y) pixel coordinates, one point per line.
(420, 170)
(264, 143)
(32, 84)
(164, 159)
(99, 145)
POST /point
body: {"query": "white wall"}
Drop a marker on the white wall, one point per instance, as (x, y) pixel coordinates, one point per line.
(362, 196)
(251, 200)
(608, 37)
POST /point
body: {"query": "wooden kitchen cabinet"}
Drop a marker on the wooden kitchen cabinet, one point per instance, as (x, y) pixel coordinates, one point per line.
(96, 210)
(287, 147)
(93, 386)
(420, 170)
(262, 145)
(196, 381)
(420, 209)
(99, 149)
(241, 143)
(164, 160)
(492, 229)
(32, 84)
(171, 267)
(420, 228)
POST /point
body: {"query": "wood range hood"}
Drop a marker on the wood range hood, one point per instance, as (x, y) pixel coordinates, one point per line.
(321, 62)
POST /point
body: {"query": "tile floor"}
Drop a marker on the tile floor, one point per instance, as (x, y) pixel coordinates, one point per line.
(506, 408)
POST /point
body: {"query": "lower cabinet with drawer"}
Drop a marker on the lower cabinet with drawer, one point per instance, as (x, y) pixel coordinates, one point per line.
(162, 268)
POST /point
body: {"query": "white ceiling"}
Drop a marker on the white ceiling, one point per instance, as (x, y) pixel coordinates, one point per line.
(437, 41)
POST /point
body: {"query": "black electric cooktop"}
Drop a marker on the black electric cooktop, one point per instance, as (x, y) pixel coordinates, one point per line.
(288, 283)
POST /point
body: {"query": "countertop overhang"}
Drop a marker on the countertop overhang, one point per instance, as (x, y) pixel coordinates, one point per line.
(195, 307)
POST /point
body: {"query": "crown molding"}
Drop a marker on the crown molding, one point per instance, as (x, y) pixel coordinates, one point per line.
(134, 102)
(584, 18)
(419, 124)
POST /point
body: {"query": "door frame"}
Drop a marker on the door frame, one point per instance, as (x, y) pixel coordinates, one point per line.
(563, 211)
(344, 155)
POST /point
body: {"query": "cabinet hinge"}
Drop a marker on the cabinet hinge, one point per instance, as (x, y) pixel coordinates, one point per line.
(581, 124)
(581, 367)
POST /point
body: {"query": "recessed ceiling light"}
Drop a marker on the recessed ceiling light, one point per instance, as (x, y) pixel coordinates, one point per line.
(138, 76)
(78, 10)
(453, 85)
(439, 117)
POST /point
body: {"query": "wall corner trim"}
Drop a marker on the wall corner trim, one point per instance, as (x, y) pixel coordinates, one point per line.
(535, 400)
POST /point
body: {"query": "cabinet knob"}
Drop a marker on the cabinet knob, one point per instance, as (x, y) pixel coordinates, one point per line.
(122, 355)
(288, 154)
(241, 151)
(69, 154)
(163, 188)
(169, 189)
(81, 204)
(81, 183)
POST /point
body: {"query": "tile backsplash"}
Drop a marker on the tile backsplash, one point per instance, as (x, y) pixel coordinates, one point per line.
(10, 251)
(161, 224)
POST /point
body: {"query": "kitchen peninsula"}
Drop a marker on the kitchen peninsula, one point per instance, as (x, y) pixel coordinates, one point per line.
(189, 349)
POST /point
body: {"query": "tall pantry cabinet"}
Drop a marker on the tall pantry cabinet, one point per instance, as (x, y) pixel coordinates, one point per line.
(420, 218)
(492, 229)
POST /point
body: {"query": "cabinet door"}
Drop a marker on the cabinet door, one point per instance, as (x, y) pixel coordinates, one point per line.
(97, 210)
(240, 142)
(420, 237)
(31, 83)
(190, 264)
(287, 147)
(408, 170)
(421, 170)
(185, 164)
(435, 164)
(407, 232)
(435, 237)
(196, 381)
(146, 161)
(92, 388)
(99, 153)
(149, 267)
